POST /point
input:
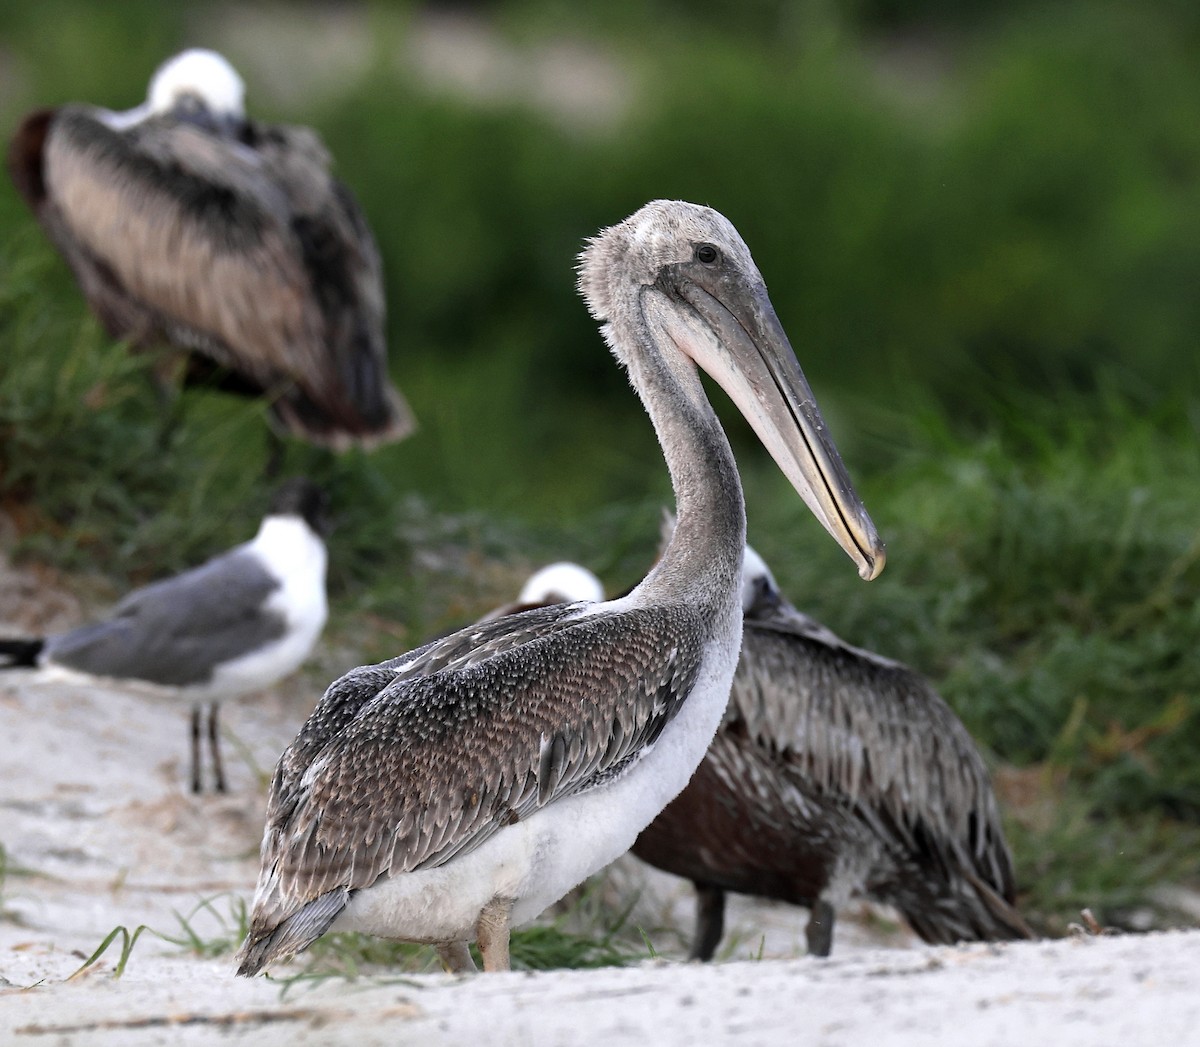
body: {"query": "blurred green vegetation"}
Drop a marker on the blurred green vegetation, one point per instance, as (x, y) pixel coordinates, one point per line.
(981, 231)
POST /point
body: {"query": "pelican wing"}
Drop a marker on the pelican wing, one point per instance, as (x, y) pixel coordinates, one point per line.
(24, 157)
(245, 250)
(409, 763)
(192, 228)
(872, 730)
(342, 260)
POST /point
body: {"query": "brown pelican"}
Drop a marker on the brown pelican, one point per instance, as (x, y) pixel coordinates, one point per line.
(188, 224)
(451, 792)
(232, 626)
(836, 772)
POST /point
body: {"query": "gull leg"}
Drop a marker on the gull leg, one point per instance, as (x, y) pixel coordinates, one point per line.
(197, 785)
(710, 922)
(491, 932)
(214, 745)
(819, 932)
(456, 957)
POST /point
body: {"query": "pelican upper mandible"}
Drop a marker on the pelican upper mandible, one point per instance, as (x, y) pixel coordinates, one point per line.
(452, 792)
(189, 225)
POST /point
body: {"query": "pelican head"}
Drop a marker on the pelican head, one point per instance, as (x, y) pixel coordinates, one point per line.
(198, 79)
(562, 583)
(679, 274)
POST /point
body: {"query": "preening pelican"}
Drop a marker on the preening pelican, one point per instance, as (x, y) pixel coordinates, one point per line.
(454, 791)
(189, 225)
(232, 626)
(836, 773)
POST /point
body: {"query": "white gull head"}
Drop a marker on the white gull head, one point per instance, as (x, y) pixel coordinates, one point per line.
(202, 73)
(562, 583)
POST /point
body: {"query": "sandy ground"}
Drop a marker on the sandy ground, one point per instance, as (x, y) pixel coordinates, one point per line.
(99, 832)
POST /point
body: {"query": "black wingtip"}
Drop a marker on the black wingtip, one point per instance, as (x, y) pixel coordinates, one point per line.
(20, 653)
(253, 956)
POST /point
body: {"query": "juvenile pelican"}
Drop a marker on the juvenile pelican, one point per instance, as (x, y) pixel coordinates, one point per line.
(456, 790)
(836, 772)
(229, 627)
(189, 225)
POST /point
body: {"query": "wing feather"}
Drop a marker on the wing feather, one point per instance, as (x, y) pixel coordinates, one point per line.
(192, 227)
(246, 250)
(177, 631)
(462, 738)
(850, 722)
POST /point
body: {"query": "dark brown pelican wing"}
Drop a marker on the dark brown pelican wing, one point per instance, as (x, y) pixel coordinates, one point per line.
(745, 824)
(24, 157)
(873, 731)
(412, 762)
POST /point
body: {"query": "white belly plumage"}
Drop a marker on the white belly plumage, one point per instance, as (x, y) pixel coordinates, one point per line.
(536, 861)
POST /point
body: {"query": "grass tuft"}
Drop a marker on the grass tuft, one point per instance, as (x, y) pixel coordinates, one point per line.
(589, 931)
(128, 941)
(231, 928)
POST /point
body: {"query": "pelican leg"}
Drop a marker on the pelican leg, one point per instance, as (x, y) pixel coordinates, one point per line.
(214, 745)
(710, 922)
(819, 931)
(456, 957)
(197, 785)
(491, 932)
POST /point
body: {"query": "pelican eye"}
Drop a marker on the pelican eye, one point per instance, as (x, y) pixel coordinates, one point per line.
(706, 254)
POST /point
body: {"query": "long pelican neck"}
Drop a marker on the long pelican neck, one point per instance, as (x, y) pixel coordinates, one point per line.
(702, 562)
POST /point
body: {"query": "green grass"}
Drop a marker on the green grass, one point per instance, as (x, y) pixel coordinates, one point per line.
(542, 947)
(588, 932)
(128, 940)
(1070, 856)
(590, 929)
(1044, 572)
(1044, 569)
(206, 931)
(86, 451)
